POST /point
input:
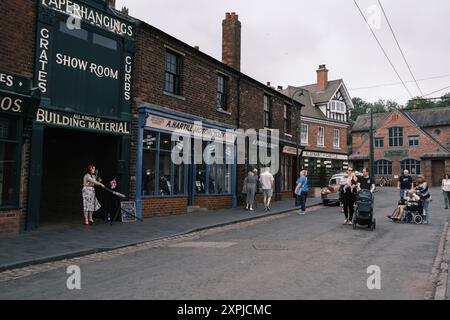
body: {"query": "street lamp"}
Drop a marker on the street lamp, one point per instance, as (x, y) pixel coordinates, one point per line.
(297, 133)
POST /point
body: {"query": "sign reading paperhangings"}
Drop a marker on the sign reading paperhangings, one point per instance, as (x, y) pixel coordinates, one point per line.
(81, 121)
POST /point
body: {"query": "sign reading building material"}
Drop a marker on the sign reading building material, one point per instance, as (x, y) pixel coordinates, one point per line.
(128, 211)
(81, 121)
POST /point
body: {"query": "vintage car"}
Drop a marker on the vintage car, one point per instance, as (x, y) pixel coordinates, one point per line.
(330, 194)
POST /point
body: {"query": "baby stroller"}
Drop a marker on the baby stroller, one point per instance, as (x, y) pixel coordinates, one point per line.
(364, 210)
(413, 212)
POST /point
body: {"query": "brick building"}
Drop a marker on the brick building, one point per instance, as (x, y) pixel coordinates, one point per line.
(113, 90)
(417, 140)
(324, 125)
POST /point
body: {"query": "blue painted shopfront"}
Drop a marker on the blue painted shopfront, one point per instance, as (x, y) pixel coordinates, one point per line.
(158, 177)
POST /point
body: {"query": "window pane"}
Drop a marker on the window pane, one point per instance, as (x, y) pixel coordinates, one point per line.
(165, 163)
(165, 142)
(8, 166)
(104, 41)
(200, 178)
(148, 174)
(228, 178)
(220, 176)
(179, 180)
(8, 129)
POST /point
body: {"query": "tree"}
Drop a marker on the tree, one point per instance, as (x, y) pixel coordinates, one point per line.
(423, 103)
(364, 107)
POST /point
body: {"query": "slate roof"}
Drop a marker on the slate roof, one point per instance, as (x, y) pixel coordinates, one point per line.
(319, 97)
(423, 118)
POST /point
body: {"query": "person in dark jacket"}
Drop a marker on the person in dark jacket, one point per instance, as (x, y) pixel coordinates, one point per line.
(349, 196)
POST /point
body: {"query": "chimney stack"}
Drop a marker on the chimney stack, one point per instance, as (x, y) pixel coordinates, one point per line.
(322, 78)
(231, 40)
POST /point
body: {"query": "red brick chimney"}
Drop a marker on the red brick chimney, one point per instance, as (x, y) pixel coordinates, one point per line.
(322, 78)
(231, 41)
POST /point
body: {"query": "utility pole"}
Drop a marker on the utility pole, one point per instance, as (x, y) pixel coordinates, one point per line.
(372, 163)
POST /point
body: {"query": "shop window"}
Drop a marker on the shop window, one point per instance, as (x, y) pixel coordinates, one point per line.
(161, 177)
(9, 162)
(383, 167)
(214, 177)
(413, 166)
(337, 165)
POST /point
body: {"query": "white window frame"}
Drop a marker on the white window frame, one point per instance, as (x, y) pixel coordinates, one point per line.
(336, 138)
(306, 140)
(337, 107)
(321, 138)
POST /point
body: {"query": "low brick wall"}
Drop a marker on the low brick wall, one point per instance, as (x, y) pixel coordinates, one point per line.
(213, 202)
(11, 222)
(158, 207)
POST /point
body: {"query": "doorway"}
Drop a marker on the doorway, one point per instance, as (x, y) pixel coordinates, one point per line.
(66, 155)
(437, 172)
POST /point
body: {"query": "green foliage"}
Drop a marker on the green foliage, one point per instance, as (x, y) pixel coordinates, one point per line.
(420, 103)
(364, 107)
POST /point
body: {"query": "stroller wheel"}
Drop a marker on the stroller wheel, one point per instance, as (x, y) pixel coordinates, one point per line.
(418, 219)
(354, 224)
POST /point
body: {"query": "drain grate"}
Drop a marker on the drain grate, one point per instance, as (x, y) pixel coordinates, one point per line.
(270, 246)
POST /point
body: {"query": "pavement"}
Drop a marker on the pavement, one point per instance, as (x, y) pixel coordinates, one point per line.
(284, 256)
(50, 244)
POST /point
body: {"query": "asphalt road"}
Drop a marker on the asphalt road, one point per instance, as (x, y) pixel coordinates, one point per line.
(289, 257)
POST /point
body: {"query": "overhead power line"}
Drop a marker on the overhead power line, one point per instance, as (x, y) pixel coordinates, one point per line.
(399, 83)
(426, 95)
(399, 47)
(382, 49)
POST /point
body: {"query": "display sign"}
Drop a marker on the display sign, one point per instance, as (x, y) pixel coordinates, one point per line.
(90, 15)
(14, 83)
(291, 150)
(128, 211)
(155, 122)
(396, 153)
(321, 155)
(81, 121)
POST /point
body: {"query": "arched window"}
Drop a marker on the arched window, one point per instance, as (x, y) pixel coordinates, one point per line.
(413, 166)
(383, 167)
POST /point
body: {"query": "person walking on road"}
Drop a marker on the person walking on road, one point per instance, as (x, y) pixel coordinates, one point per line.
(267, 182)
(250, 183)
(302, 189)
(349, 196)
(404, 183)
(366, 182)
(446, 190)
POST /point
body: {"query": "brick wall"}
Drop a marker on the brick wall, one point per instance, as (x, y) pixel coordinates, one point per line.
(17, 38)
(213, 202)
(361, 143)
(158, 207)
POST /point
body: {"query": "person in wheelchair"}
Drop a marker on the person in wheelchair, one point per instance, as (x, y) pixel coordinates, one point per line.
(411, 200)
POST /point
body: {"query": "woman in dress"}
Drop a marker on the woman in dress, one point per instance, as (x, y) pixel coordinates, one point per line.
(349, 196)
(446, 190)
(90, 202)
(424, 194)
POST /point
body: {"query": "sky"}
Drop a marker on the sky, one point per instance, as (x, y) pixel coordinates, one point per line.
(284, 41)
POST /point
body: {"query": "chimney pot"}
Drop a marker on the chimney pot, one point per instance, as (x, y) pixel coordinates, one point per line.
(280, 88)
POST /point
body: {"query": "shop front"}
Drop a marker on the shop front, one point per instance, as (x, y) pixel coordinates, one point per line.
(17, 101)
(322, 165)
(84, 58)
(183, 162)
